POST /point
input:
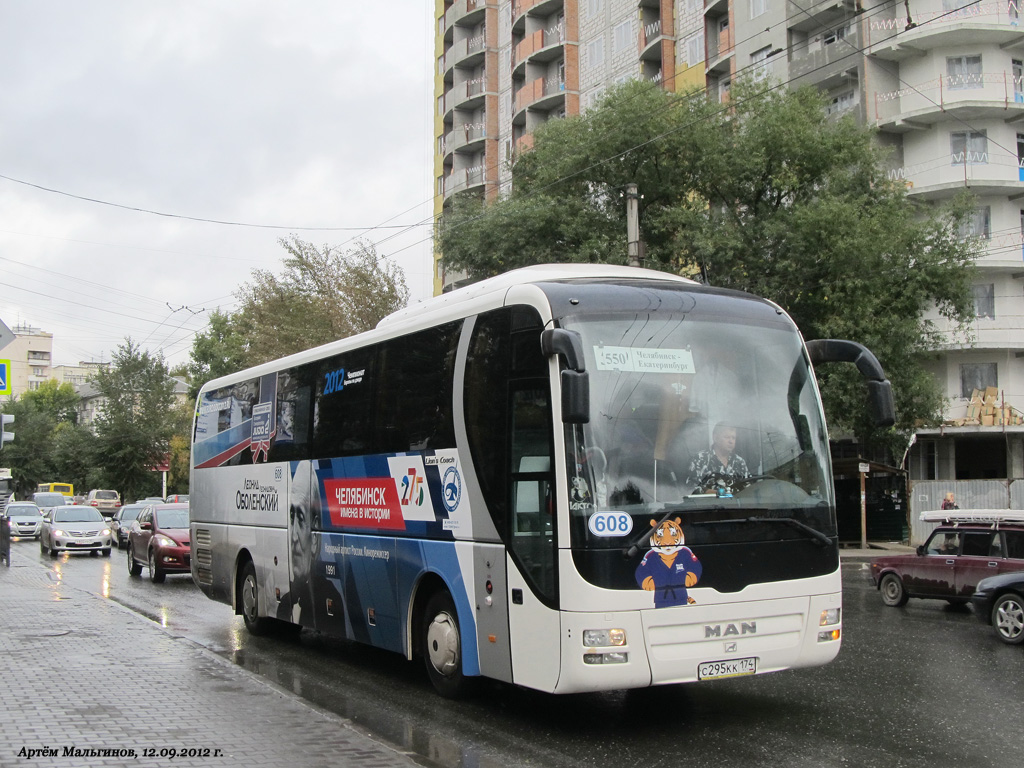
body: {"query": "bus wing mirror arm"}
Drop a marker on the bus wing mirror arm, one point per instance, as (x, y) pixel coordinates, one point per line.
(879, 388)
(575, 381)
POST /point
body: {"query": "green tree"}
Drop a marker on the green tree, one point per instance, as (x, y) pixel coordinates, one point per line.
(29, 456)
(58, 399)
(74, 457)
(219, 350)
(134, 426)
(766, 195)
(323, 294)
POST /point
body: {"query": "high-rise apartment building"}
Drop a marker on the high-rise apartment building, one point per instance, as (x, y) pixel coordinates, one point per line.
(30, 354)
(942, 80)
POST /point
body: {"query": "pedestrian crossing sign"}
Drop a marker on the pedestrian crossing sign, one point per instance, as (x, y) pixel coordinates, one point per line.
(5, 377)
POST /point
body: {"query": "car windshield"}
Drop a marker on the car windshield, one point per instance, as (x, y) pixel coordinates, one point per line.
(710, 419)
(171, 518)
(130, 513)
(76, 515)
(49, 499)
(22, 510)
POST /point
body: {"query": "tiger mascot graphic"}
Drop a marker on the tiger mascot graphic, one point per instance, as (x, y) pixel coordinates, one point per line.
(669, 567)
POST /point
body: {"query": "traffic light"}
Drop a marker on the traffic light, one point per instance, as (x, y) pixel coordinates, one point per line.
(5, 436)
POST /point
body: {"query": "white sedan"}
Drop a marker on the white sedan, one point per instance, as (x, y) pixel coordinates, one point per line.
(75, 529)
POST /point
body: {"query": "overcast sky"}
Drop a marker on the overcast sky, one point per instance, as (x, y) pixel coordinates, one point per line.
(297, 114)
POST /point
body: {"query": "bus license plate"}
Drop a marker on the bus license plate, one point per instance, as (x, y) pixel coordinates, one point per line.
(710, 670)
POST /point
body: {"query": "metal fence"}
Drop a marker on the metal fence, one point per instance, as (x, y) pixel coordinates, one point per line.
(927, 495)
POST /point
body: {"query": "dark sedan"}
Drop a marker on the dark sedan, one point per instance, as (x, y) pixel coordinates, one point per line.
(122, 520)
(999, 601)
(159, 538)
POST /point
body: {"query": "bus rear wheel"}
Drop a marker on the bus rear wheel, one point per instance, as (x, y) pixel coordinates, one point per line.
(249, 602)
(441, 641)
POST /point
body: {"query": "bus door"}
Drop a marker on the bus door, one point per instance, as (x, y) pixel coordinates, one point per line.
(534, 626)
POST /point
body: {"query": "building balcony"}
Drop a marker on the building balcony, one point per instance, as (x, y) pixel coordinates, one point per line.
(828, 58)
(464, 179)
(464, 136)
(542, 45)
(993, 23)
(466, 53)
(466, 95)
(649, 42)
(469, 12)
(950, 98)
(720, 54)
(807, 15)
(535, 8)
(542, 93)
(993, 171)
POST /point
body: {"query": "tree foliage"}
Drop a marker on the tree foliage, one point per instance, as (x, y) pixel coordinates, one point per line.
(766, 195)
(324, 293)
(134, 425)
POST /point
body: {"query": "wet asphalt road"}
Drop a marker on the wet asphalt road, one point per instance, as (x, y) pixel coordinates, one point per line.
(926, 685)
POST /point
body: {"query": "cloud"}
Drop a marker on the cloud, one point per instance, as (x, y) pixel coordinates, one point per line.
(311, 114)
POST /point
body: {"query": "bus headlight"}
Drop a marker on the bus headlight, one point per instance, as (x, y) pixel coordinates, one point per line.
(602, 638)
(830, 616)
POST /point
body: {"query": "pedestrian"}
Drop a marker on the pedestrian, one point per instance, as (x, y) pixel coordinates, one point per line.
(950, 501)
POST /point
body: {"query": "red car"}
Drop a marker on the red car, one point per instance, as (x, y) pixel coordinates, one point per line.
(966, 547)
(159, 538)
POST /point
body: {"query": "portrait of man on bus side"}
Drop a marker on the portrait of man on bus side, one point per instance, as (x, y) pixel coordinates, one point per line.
(303, 504)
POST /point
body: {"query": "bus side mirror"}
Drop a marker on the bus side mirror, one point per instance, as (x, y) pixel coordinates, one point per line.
(575, 381)
(880, 397)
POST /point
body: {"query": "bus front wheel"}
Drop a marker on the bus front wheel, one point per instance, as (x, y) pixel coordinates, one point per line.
(442, 646)
(249, 601)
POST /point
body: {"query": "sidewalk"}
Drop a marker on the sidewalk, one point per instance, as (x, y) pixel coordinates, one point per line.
(95, 684)
(875, 549)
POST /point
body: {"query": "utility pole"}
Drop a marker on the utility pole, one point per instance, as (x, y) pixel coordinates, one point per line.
(633, 225)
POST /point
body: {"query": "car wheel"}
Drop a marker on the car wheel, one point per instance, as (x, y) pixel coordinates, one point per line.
(441, 645)
(106, 552)
(892, 590)
(249, 602)
(1008, 618)
(134, 568)
(94, 553)
(42, 547)
(155, 574)
(53, 551)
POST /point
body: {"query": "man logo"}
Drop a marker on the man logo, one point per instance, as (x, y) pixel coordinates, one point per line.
(728, 630)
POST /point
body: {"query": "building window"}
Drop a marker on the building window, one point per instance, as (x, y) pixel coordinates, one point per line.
(839, 33)
(977, 376)
(968, 147)
(1018, 80)
(37, 371)
(759, 62)
(978, 224)
(757, 7)
(594, 7)
(984, 300)
(723, 91)
(595, 52)
(841, 102)
(623, 36)
(963, 72)
(695, 50)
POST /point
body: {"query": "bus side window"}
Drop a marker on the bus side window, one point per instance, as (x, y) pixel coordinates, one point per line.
(344, 405)
(294, 401)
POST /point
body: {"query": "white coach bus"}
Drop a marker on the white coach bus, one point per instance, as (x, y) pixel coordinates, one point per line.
(568, 477)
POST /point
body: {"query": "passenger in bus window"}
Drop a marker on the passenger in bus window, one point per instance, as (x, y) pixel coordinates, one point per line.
(720, 463)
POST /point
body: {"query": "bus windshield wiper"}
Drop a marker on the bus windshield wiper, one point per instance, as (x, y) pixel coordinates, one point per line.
(819, 538)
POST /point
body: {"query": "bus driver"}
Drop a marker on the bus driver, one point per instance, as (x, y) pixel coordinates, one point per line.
(719, 463)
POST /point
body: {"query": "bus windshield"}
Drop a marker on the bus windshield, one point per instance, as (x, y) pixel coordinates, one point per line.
(714, 421)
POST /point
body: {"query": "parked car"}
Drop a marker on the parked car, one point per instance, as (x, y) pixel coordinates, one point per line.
(966, 547)
(177, 498)
(107, 502)
(121, 522)
(26, 519)
(159, 538)
(999, 601)
(47, 500)
(74, 529)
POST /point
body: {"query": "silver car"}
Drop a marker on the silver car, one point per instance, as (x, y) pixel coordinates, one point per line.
(75, 529)
(122, 521)
(26, 519)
